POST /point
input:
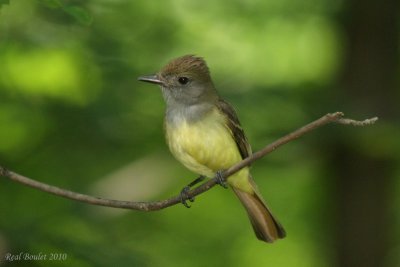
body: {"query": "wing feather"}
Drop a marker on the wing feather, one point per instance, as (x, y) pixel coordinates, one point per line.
(235, 128)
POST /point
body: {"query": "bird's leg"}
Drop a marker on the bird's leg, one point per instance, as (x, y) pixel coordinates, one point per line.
(184, 192)
(219, 177)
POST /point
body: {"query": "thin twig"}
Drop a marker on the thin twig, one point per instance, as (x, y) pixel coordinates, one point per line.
(157, 205)
(357, 123)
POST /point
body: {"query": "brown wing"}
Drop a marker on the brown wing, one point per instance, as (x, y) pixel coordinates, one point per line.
(235, 128)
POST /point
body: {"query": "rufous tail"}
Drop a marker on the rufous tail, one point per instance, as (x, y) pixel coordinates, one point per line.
(265, 226)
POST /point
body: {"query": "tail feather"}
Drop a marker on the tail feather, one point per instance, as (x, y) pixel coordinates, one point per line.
(265, 226)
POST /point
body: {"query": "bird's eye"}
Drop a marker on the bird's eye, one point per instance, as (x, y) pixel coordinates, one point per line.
(183, 80)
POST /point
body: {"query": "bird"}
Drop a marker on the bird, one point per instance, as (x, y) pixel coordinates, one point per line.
(203, 133)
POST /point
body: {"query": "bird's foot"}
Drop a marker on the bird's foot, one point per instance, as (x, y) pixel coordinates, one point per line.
(184, 196)
(219, 177)
(184, 192)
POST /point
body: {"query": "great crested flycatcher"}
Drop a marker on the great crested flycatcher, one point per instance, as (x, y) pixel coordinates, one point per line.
(204, 134)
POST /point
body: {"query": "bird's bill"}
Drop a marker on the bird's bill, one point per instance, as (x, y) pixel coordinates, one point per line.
(150, 79)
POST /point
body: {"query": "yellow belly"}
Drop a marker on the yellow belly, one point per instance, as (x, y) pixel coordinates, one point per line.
(206, 146)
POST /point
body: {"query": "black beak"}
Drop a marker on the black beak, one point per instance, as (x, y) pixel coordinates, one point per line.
(151, 79)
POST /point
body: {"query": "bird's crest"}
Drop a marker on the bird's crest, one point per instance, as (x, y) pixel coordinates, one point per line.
(186, 64)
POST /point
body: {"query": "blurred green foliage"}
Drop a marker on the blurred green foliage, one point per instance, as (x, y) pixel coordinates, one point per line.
(72, 114)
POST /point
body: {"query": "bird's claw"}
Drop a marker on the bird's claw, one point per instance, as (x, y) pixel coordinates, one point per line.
(184, 196)
(219, 178)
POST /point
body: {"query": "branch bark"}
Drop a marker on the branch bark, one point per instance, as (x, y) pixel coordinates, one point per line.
(336, 117)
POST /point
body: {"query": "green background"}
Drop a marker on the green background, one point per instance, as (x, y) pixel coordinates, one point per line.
(72, 114)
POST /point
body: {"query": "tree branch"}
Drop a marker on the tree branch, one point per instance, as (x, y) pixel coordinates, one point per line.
(157, 205)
